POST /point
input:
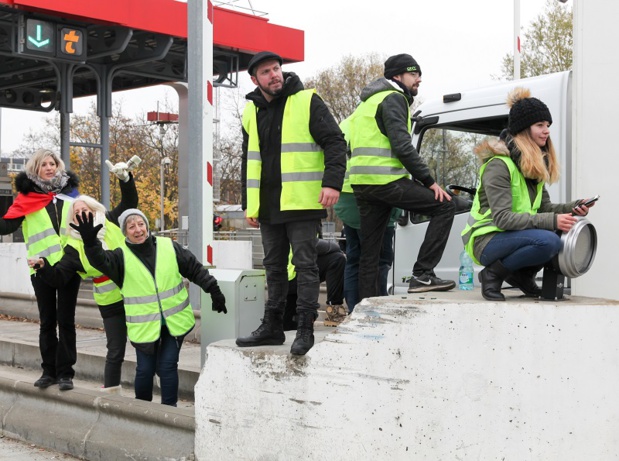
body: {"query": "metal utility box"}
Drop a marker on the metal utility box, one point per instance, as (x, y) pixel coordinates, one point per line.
(244, 292)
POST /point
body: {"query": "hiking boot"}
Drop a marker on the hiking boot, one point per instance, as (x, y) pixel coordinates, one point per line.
(429, 282)
(305, 334)
(45, 381)
(269, 333)
(336, 313)
(524, 279)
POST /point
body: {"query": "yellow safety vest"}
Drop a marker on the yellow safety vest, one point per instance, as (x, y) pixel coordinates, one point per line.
(149, 300)
(41, 238)
(373, 162)
(105, 292)
(344, 126)
(481, 223)
(302, 159)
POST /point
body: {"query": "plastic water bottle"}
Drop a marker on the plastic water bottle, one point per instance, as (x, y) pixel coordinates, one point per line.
(465, 279)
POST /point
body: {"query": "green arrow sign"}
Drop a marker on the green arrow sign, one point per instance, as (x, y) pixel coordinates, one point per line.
(40, 36)
(39, 41)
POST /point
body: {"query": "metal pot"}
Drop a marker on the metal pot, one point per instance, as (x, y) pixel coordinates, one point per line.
(579, 247)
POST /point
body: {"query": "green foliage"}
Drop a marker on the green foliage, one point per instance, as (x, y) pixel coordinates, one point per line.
(547, 45)
(127, 138)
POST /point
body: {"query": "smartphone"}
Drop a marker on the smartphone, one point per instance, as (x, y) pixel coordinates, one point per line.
(591, 200)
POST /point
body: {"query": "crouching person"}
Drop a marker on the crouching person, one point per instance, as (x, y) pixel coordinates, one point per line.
(149, 272)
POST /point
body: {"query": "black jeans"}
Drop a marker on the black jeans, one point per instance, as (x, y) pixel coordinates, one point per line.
(375, 204)
(57, 309)
(277, 239)
(116, 333)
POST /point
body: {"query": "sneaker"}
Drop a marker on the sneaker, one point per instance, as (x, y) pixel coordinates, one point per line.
(65, 384)
(44, 381)
(428, 282)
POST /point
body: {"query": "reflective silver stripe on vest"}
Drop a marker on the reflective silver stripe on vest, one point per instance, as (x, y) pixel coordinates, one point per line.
(291, 177)
(34, 238)
(154, 298)
(300, 147)
(176, 309)
(105, 288)
(253, 155)
(372, 151)
(48, 251)
(382, 170)
(254, 183)
(143, 318)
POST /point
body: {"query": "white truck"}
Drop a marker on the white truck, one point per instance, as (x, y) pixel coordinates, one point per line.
(463, 120)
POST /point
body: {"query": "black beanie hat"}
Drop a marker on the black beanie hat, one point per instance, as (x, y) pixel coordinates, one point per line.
(262, 56)
(525, 111)
(399, 64)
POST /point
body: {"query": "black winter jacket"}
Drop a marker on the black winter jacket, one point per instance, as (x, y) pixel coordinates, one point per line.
(323, 128)
(392, 119)
(112, 262)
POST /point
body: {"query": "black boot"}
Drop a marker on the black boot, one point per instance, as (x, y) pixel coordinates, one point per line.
(491, 278)
(524, 279)
(269, 333)
(305, 333)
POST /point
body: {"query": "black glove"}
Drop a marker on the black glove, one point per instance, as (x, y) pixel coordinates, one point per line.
(85, 227)
(218, 298)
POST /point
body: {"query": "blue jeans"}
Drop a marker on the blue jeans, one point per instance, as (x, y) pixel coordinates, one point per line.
(277, 240)
(523, 248)
(164, 362)
(351, 270)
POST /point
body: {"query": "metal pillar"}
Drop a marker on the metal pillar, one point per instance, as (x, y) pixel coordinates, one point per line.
(200, 146)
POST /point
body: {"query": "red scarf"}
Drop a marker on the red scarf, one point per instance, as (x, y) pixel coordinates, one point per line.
(28, 203)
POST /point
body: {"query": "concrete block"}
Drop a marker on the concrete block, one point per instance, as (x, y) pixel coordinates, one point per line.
(417, 377)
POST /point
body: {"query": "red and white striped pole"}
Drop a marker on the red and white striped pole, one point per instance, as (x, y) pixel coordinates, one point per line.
(200, 139)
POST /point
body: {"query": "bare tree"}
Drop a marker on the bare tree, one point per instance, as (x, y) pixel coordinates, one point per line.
(340, 86)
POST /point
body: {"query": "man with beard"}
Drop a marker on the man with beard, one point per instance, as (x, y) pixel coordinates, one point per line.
(383, 160)
(293, 164)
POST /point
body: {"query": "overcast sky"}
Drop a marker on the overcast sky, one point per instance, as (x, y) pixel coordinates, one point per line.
(458, 44)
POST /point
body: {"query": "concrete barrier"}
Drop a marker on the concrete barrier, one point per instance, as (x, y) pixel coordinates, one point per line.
(88, 425)
(13, 260)
(418, 377)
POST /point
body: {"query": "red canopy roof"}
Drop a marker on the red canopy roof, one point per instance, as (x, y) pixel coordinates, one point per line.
(232, 30)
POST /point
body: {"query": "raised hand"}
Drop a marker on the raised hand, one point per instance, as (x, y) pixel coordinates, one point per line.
(85, 226)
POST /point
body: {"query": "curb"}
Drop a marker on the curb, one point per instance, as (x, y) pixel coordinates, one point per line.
(86, 424)
(89, 367)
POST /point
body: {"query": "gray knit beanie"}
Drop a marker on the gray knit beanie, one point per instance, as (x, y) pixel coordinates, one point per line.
(122, 219)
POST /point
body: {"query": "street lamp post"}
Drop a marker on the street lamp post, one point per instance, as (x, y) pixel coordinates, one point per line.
(161, 119)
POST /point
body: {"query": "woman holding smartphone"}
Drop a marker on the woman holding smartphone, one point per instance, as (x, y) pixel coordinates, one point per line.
(513, 226)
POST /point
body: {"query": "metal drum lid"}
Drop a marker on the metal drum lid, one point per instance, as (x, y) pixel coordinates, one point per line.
(579, 247)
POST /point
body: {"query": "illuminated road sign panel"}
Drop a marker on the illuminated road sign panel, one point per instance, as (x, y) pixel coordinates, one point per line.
(71, 43)
(40, 37)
